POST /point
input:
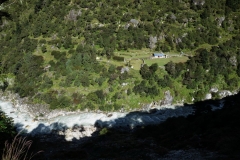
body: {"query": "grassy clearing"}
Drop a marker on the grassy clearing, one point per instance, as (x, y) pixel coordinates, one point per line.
(135, 58)
(111, 61)
(134, 54)
(132, 57)
(163, 61)
(136, 64)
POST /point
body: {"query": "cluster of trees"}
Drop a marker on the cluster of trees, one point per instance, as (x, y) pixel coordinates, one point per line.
(67, 37)
(117, 25)
(152, 81)
(7, 130)
(217, 67)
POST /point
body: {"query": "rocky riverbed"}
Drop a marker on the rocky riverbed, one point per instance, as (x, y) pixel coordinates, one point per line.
(70, 135)
(35, 119)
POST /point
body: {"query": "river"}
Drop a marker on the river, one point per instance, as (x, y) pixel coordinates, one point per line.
(68, 121)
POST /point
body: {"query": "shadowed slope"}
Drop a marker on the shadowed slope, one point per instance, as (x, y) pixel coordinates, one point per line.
(205, 135)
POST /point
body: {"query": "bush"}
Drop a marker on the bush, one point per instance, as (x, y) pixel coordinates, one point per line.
(7, 129)
(61, 102)
(103, 131)
(90, 106)
(118, 58)
(6, 123)
(44, 49)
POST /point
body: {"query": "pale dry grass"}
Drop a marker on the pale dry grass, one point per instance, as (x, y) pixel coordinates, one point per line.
(18, 149)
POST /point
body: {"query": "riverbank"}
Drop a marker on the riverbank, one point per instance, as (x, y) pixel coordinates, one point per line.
(78, 134)
(37, 119)
(205, 135)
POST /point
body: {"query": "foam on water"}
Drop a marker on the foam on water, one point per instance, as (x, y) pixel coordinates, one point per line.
(24, 120)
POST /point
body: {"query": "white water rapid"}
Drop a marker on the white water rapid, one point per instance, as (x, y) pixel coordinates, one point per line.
(71, 124)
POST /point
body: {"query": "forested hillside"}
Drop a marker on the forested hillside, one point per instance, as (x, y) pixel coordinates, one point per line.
(78, 54)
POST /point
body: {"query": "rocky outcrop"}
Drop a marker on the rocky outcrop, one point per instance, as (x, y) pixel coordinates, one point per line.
(224, 93)
(214, 90)
(124, 69)
(36, 111)
(77, 132)
(147, 107)
(168, 99)
(208, 96)
(77, 125)
(134, 22)
(82, 124)
(233, 60)
(198, 2)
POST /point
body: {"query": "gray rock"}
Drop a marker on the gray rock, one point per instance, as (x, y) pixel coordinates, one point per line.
(152, 41)
(224, 93)
(147, 107)
(220, 20)
(126, 26)
(134, 22)
(198, 2)
(208, 96)
(233, 60)
(214, 90)
(168, 99)
(73, 14)
(178, 40)
(124, 69)
(173, 17)
(124, 84)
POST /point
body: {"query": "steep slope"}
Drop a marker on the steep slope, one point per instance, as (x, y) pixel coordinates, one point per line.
(205, 135)
(79, 54)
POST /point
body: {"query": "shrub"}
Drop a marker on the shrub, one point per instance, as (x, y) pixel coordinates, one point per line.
(6, 124)
(103, 131)
(118, 58)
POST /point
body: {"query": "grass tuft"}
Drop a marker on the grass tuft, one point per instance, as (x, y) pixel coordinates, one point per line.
(18, 149)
